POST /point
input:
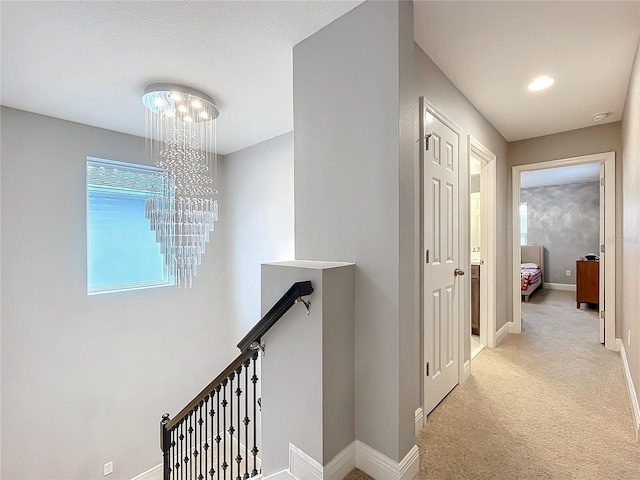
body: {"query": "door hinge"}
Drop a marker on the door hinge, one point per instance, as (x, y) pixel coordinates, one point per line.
(602, 182)
(426, 141)
(426, 256)
(427, 369)
(602, 315)
(602, 248)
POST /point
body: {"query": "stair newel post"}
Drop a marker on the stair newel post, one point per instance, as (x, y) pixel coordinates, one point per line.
(165, 446)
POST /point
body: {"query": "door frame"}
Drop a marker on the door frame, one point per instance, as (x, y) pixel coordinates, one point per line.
(609, 161)
(464, 348)
(488, 203)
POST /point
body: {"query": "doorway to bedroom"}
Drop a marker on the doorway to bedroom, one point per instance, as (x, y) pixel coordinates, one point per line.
(564, 243)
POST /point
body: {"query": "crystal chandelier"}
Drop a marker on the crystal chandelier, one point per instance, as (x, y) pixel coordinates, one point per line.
(181, 139)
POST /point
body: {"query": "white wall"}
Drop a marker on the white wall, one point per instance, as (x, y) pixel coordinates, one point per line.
(85, 380)
(631, 223)
(354, 141)
(438, 89)
(259, 221)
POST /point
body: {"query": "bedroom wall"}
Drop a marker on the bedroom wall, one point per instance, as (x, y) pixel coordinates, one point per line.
(85, 379)
(584, 141)
(565, 220)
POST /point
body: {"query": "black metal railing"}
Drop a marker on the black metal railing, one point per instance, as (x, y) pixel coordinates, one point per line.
(216, 435)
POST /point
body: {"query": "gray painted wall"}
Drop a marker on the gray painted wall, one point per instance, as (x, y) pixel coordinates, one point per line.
(85, 380)
(565, 220)
(350, 159)
(432, 83)
(258, 220)
(631, 224)
(585, 141)
(308, 368)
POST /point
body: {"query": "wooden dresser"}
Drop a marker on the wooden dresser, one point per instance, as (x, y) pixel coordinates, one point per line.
(587, 281)
(475, 299)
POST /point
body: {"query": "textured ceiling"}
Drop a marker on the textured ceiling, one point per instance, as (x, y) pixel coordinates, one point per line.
(589, 172)
(492, 50)
(89, 61)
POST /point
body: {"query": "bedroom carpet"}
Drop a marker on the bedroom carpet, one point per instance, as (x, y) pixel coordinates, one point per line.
(548, 404)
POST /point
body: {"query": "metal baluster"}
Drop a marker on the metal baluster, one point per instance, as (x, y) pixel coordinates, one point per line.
(187, 457)
(181, 437)
(231, 430)
(254, 380)
(238, 394)
(206, 436)
(199, 443)
(246, 419)
(218, 427)
(224, 428)
(172, 453)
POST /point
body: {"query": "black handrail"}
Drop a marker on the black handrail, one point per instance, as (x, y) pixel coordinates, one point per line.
(182, 439)
(233, 366)
(297, 290)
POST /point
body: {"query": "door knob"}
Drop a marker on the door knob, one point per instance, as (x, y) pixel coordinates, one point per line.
(457, 272)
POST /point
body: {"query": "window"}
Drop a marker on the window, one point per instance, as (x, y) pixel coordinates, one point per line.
(122, 253)
(523, 223)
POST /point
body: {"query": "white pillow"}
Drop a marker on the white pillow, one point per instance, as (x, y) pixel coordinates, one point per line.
(528, 265)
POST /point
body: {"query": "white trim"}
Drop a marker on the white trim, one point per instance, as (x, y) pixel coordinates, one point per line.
(488, 199)
(567, 287)
(466, 368)
(152, 473)
(274, 476)
(340, 466)
(443, 117)
(505, 330)
(302, 466)
(609, 161)
(633, 397)
(419, 420)
(378, 465)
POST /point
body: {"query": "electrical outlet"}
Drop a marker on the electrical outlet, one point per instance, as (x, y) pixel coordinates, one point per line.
(108, 468)
(568, 273)
(629, 338)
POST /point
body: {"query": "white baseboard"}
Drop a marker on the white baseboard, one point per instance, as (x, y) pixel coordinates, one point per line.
(302, 466)
(419, 420)
(633, 397)
(340, 466)
(379, 466)
(503, 332)
(559, 286)
(356, 454)
(154, 473)
(466, 371)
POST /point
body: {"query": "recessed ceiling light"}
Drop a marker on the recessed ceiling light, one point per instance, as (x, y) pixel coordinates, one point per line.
(541, 83)
(598, 117)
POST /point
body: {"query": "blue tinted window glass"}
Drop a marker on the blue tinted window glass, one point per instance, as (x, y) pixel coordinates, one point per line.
(122, 251)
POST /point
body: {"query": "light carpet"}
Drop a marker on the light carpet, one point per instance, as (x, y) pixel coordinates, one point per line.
(550, 403)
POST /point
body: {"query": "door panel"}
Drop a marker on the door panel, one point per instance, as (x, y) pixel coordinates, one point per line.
(440, 236)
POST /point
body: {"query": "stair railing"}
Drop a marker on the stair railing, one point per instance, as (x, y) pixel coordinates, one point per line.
(215, 436)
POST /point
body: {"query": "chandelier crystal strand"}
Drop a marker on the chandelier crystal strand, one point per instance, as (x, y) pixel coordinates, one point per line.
(181, 132)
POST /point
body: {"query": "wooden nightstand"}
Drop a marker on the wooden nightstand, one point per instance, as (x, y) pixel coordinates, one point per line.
(587, 281)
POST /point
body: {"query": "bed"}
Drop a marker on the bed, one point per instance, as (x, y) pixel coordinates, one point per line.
(531, 269)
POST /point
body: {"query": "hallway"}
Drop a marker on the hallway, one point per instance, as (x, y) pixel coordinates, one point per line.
(549, 403)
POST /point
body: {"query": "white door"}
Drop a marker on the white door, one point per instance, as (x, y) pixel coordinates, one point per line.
(441, 309)
(603, 259)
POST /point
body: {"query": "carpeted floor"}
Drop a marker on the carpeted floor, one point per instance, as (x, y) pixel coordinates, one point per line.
(550, 403)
